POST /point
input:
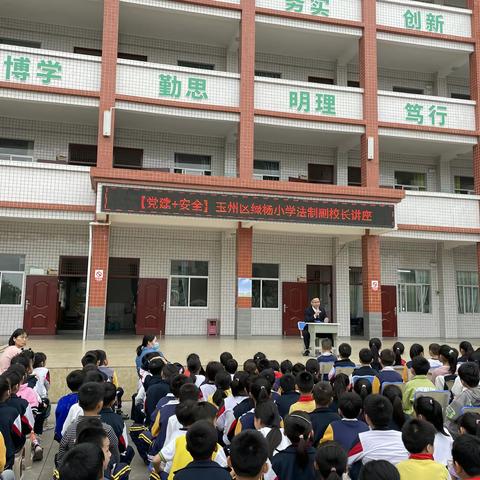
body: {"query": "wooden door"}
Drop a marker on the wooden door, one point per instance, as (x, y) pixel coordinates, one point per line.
(151, 306)
(41, 305)
(389, 311)
(295, 301)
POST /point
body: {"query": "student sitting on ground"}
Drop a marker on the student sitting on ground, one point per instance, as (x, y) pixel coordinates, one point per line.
(194, 367)
(379, 470)
(469, 423)
(267, 422)
(306, 402)
(448, 356)
(470, 376)
(208, 388)
(420, 382)
(330, 461)
(10, 424)
(74, 382)
(296, 461)
(434, 352)
(83, 462)
(365, 369)
(326, 356)
(394, 394)
(248, 456)
(201, 444)
(90, 399)
(379, 443)
(344, 352)
(466, 457)
(322, 416)
(289, 395)
(398, 350)
(387, 373)
(428, 409)
(418, 437)
(42, 373)
(416, 350)
(346, 430)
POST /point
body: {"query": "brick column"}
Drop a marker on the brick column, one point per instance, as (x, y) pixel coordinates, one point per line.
(368, 81)
(475, 95)
(372, 300)
(111, 11)
(247, 83)
(243, 310)
(97, 294)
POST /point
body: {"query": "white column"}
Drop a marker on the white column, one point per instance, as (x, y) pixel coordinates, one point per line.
(446, 292)
(341, 75)
(341, 287)
(444, 174)
(230, 168)
(227, 284)
(441, 89)
(341, 170)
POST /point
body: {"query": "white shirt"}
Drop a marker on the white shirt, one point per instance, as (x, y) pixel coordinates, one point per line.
(75, 411)
(42, 385)
(226, 418)
(207, 389)
(442, 448)
(174, 429)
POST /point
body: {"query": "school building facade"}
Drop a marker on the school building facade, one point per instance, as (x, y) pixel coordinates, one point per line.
(207, 166)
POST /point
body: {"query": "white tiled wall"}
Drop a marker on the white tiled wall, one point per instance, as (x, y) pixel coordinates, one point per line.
(293, 253)
(42, 244)
(159, 148)
(156, 247)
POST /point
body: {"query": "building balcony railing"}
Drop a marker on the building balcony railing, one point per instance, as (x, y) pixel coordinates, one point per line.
(338, 9)
(414, 16)
(426, 111)
(308, 99)
(31, 66)
(438, 209)
(177, 84)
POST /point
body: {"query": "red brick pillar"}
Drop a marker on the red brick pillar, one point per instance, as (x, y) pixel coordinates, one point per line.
(111, 11)
(243, 310)
(368, 81)
(475, 94)
(247, 82)
(98, 279)
(372, 306)
(372, 296)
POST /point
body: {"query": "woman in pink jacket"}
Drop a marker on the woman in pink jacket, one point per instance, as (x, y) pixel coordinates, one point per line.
(16, 343)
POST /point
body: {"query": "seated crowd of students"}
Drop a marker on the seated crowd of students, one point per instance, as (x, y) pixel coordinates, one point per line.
(384, 418)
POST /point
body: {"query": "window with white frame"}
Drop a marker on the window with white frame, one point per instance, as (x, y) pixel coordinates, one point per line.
(193, 164)
(12, 268)
(188, 283)
(467, 292)
(414, 291)
(265, 285)
(266, 170)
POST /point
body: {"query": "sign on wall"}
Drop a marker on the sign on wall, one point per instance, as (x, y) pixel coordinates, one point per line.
(242, 207)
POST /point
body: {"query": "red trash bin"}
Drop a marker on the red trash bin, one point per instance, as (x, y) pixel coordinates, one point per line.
(212, 327)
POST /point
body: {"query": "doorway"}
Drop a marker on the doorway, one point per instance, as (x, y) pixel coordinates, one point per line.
(356, 302)
(389, 311)
(319, 281)
(295, 301)
(41, 304)
(72, 290)
(122, 295)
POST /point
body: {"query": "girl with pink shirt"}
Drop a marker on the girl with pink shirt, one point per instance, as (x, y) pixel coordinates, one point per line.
(16, 343)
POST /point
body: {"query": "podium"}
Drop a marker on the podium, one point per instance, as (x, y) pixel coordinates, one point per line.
(318, 328)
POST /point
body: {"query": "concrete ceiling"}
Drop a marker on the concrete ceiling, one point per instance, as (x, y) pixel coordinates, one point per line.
(275, 134)
(84, 13)
(48, 112)
(297, 42)
(177, 25)
(421, 147)
(417, 58)
(172, 124)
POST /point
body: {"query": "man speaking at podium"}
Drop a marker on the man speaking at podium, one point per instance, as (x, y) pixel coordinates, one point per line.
(314, 313)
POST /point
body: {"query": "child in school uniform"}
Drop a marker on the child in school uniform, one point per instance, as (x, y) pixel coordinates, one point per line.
(344, 352)
(387, 373)
(74, 382)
